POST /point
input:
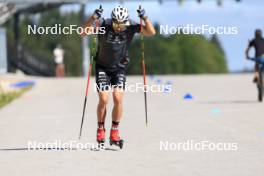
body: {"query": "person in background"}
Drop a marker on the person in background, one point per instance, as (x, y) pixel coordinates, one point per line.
(58, 58)
(258, 44)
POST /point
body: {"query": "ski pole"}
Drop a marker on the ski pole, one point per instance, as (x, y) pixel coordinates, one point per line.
(88, 79)
(143, 67)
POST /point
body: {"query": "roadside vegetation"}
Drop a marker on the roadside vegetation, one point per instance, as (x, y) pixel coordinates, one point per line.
(8, 97)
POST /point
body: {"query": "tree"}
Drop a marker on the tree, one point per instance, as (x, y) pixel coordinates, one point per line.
(181, 53)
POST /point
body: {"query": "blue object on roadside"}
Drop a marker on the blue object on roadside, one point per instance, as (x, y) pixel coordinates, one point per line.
(23, 84)
(169, 82)
(216, 111)
(158, 81)
(168, 87)
(188, 96)
(151, 77)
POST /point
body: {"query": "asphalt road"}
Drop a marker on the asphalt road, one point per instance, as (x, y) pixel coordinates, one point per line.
(222, 112)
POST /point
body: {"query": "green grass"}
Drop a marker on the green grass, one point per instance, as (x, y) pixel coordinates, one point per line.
(6, 98)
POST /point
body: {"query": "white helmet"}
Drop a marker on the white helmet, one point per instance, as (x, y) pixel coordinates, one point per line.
(120, 14)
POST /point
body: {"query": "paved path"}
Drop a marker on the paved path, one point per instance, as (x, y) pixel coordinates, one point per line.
(225, 110)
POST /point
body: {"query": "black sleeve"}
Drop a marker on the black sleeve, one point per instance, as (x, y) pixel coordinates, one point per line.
(135, 27)
(251, 43)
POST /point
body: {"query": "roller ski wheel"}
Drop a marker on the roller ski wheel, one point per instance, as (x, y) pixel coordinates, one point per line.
(115, 139)
(119, 143)
(101, 137)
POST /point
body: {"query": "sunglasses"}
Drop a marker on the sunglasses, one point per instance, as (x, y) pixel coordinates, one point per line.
(119, 25)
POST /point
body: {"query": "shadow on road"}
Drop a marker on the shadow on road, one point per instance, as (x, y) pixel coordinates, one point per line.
(229, 102)
(54, 149)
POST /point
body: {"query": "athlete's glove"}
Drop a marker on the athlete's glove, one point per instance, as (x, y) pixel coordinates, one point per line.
(98, 13)
(141, 13)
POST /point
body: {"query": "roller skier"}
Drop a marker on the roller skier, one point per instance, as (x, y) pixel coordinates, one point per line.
(112, 59)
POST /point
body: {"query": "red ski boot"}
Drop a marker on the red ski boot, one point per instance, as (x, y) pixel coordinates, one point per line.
(100, 136)
(115, 138)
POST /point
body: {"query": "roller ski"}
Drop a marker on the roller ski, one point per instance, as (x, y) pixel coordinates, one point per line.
(115, 138)
(101, 137)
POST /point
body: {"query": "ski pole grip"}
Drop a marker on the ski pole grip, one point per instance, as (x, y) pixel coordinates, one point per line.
(139, 8)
